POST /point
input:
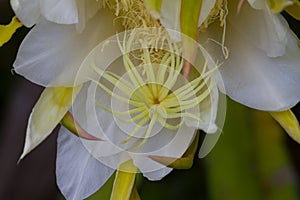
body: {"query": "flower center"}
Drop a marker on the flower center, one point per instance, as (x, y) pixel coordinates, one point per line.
(151, 94)
(155, 101)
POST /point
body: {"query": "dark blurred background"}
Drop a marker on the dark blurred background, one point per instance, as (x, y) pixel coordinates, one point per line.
(253, 159)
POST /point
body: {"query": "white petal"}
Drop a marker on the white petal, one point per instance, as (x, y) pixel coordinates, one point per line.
(210, 109)
(60, 11)
(84, 112)
(146, 166)
(86, 10)
(265, 30)
(250, 76)
(78, 173)
(28, 11)
(51, 54)
(218, 114)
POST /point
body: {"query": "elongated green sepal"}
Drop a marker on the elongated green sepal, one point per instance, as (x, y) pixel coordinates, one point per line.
(124, 181)
(7, 31)
(185, 162)
(289, 122)
(72, 125)
(189, 16)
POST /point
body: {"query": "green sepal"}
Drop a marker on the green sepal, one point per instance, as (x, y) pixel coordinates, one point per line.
(73, 126)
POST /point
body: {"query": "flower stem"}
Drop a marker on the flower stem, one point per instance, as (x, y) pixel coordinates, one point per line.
(124, 181)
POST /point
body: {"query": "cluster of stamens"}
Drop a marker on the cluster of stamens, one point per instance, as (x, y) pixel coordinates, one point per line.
(151, 88)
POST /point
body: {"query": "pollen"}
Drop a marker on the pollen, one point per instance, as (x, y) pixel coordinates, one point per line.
(134, 14)
(156, 101)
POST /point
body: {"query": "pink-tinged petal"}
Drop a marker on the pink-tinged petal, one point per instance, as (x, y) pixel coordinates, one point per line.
(73, 126)
(239, 7)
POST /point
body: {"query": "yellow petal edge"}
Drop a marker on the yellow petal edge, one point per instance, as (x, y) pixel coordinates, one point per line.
(51, 107)
(7, 31)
